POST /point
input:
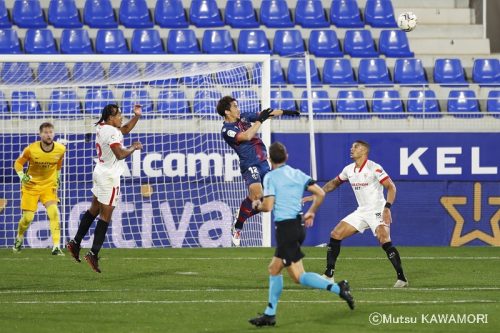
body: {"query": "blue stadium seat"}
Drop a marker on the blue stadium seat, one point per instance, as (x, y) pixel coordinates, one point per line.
(39, 41)
(64, 14)
(200, 80)
(448, 71)
(338, 72)
(373, 71)
(235, 77)
(352, 101)
(387, 101)
(64, 102)
(241, 14)
(76, 41)
(310, 14)
(324, 43)
(87, 72)
(486, 71)
(275, 14)
(205, 13)
(127, 72)
(321, 102)
(111, 41)
(16, 73)
(345, 14)
(283, 100)
(52, 72)
(9, 41)
(182, 41)
(253, 41)
(460, 101)
(28, 14)
(162, 69)
(4, 17)
(170, 14)
(146, 41)
(248, 101)
(205, 101)
(135, 14)
(4, 105)
(409, 71)
(297, 72)
(380, 14)
(360, 44)
(493, 103)
(288, 42)
(99, 14)
(136, 96)
(173, 101)
(97, 98)
(217, 42)
(394, 43)
(277, 73)
(422, 102)
(24, 102)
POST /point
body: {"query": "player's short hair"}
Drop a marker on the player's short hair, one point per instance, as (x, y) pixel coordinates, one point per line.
(108, 111)
(277, 152)
(224, 104)
(45, 125)
(364, 144)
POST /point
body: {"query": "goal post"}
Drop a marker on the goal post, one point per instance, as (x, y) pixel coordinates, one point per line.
(183, 189)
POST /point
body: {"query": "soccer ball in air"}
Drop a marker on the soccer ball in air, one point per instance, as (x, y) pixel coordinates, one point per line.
(407, 21)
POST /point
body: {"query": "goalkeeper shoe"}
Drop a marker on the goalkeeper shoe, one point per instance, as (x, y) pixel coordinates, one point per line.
(263, 320)
(17, 245)
(345, 293)
(74, 249)
(93, 261)
(56, 251)
(236, 237)
(401, 284)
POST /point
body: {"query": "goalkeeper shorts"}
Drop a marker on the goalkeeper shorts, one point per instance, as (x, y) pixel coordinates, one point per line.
(106, 189)
(30, 197)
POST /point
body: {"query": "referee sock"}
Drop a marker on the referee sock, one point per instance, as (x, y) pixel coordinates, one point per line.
(275, 288)
(393, 255)
(245, 212)
(99, 235)
(332, 254)
(84, 226)
(314, 280)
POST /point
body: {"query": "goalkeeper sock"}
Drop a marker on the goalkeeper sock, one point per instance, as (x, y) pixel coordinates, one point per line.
(314, 280)
(245, 212)
(99, 235)
(53, 214)
(24, 223)
(393, 255)
(84, 226)
(331, 256)
(275, 288)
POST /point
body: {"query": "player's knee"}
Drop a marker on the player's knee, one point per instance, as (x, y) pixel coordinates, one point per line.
(53, 212)
(28, 216)
(337, 234)
(295, 278)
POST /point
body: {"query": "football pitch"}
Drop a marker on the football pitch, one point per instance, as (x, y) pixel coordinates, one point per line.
(218, 290)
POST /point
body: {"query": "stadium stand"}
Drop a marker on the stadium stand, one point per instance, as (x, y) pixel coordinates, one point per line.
(99, 14)
(9, 41)
(310, 14)
(135, 14)
(352, 101)
(205, 13)
(387, 101)
(275, 14)
(338, 72)
(64, 14)
(241, 14)
(253, 41)
(324, 43)
(320, 104)
(146, 41)
(39, 41)
(346, 14)
(360, 44)
(28, 14)
(170, 14)
(75, 41)
(182, 41)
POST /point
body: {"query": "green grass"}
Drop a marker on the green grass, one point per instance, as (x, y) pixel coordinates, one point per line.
(218, 290)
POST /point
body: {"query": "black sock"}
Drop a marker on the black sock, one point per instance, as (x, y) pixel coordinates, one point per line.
(331, 256)
(99, 235)
(393, 255)
(84, 226)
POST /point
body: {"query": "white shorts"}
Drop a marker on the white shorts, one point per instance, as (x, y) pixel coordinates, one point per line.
(362, 220)
(106, 189)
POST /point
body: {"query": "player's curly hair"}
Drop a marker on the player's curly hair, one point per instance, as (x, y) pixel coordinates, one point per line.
(108, 111)
(277, 152)
(224, 104)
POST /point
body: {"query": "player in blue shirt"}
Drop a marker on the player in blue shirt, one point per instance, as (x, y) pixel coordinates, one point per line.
(283, 190)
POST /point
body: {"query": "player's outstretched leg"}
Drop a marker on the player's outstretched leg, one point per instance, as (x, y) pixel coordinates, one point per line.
(315, 281)
(345, 293)
(395, 259)
(245, 212)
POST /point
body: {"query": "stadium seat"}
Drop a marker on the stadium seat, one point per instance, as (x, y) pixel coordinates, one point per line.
(205, 101)
(16, 73)
(493, 103)
(283, 100)
(39, 41)
(277, 73)
(310, 14)
(64, 14)
(4, 17)
(338, 72)
(421, 102)
(76, 41)
(136, 96)
(320, 102)
(28, 14)
(173, 101)
(217, 42)
(387, 101)
(297, 72)
(360, 44)
(345, 14)
(9, 41)
(182, 41)
(394, 43)
(64, 102)
(373, 71)
(324, 43)
(463, 101)
(352, 101)
(99, 14)
(52, 72)
(111, 41)
(380, 14)
(486, 71)
(234, 77)
(97, 98)
(241, 14)
(248, 100)
(275, 14)
(126, 72)
(448, 71)
(253, 41)
(87, 72)
(161, 69)
(135, 14)
(205, 13)
(24, 102)
(288, 42)
(409, 71)
(4, 105)
(146, 41)
(170, 14)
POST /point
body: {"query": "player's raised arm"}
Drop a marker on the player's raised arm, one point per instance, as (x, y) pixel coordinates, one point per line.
(122, 153)
(252, 131)
(127, 128)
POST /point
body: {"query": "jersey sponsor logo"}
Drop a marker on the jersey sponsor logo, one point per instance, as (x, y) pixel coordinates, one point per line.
(231, 133)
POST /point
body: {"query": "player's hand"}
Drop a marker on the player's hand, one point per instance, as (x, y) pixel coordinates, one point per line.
(25, 178)
(308, 219)
(386, 216)
(264, 115)
(307, 199)
(137, 145)
(256, 204)
(137, 110)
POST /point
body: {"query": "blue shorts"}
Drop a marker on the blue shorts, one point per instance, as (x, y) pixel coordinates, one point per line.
(256, 173)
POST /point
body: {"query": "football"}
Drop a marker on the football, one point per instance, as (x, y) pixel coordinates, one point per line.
(407, 21)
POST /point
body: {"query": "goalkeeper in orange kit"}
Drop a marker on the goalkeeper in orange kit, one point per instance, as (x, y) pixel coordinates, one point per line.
(40, 183)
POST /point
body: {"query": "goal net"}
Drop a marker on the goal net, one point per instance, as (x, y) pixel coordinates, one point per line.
(182, 190)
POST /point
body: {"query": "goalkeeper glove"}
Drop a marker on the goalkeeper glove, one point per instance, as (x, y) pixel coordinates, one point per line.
(264, 114)
(291, 113)
(24, 177)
